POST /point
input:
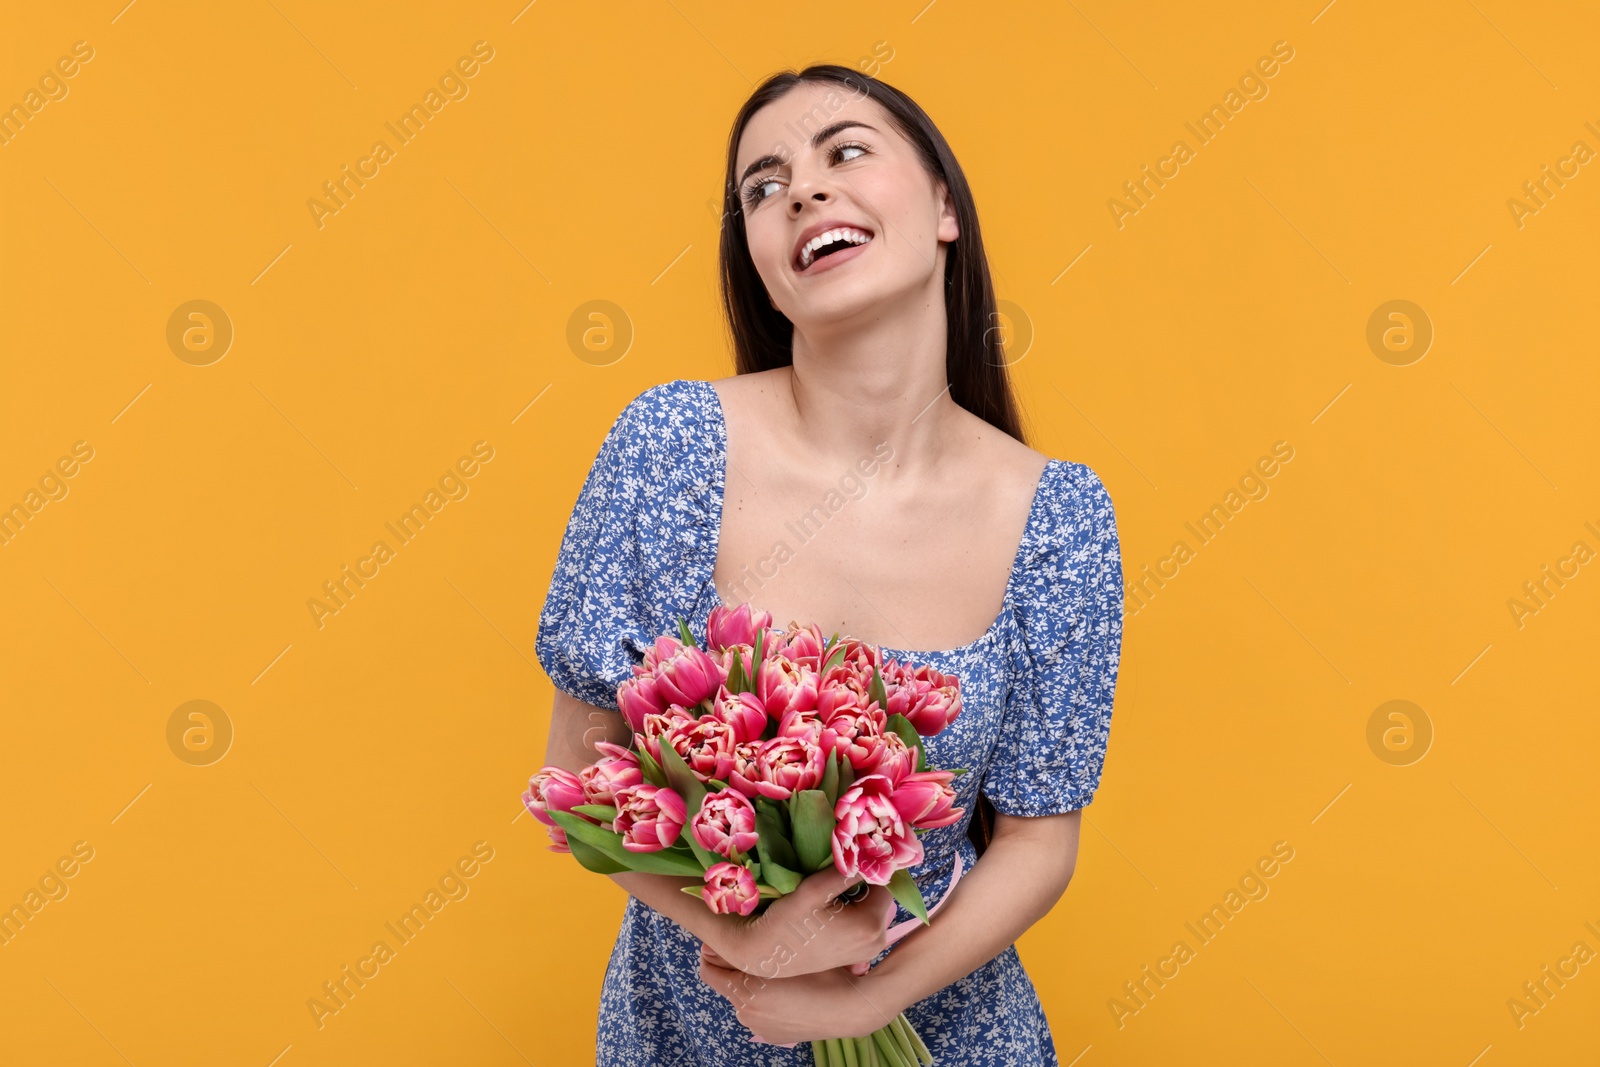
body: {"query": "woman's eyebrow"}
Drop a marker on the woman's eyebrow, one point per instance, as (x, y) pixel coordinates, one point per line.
(816, 142)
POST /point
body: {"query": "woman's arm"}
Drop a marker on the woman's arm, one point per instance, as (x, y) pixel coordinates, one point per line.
(1019, 878)
(575, 726)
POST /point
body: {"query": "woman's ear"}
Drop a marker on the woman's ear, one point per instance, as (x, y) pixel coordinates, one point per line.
(949, 227)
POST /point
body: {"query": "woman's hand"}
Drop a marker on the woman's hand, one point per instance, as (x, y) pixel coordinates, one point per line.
(808, 931)
(809, 1007)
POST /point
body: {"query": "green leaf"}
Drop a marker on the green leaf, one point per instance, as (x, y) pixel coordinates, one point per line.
(770, 835)
(778, 811)
(666, 861)
(908, 733)
(592, 858)
(830, 778)
(693, 891)
(681, 779)
(604, 812)
(877, 690)
(736, 683)
(833, 659)
(847, 776)
(649, 768)
(685, 635)
(774, 873)
(906, 892)
(813, 829)
(707, 858)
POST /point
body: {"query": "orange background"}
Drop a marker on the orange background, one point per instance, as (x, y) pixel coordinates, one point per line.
(371, 754)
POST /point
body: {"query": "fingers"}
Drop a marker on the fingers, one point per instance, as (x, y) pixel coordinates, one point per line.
(829, 883)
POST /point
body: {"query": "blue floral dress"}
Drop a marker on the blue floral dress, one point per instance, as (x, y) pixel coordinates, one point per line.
(1037, 691)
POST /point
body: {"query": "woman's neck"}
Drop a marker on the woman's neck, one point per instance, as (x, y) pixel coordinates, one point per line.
(879, 378)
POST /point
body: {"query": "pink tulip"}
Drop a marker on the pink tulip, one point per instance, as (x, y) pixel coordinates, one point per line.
(930, 699)
(926, 801)
(784, 684)
(706, 745)
(725, 824)
(724, 657)
(743, 712)
(859, 658)
(743, 776)
(730, 889)
(785, 765)
(852, 732)
(657, 723)
(638, 699)
(688, 677)
(866, 750)
(554, 788)
(649, 817)
(871, 836)
(893, 758)
(841, 688)
(558, 839)
(735, 626)
(803, 644)
(617, 768)
(801, 722)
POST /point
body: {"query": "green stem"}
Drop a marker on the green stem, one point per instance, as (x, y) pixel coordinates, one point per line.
(923, 1054)
(902, 1043)
(887, 1051)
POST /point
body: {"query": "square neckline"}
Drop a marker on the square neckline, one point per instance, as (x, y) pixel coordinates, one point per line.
(720, 494)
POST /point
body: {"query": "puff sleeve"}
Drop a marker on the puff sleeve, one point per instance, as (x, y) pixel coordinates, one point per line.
(596, 621)
(1068, 605)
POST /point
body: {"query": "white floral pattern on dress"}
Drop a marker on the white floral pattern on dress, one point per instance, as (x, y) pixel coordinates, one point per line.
(1037, 691)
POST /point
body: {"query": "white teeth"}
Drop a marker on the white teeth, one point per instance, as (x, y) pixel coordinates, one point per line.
(854, 236)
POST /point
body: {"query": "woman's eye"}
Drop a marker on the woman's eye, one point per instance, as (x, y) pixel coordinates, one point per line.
(753, 192)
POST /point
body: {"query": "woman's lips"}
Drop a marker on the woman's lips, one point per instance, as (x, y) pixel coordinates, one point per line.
(830, 261)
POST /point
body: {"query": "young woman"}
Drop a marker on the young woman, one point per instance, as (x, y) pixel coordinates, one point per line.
(864, 470)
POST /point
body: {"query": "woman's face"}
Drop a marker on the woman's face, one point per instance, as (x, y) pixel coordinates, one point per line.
(862, 176)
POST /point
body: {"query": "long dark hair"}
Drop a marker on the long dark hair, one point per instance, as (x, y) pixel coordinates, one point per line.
(975, 362)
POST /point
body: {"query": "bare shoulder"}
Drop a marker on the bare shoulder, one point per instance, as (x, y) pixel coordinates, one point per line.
(742, 386)
(1012, 467)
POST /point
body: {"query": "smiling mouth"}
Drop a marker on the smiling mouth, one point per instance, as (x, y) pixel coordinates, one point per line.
(826, 244)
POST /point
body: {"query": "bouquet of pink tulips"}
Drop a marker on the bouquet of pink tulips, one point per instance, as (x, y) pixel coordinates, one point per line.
(757, 761)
